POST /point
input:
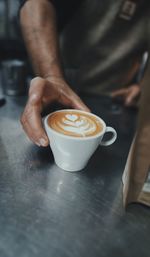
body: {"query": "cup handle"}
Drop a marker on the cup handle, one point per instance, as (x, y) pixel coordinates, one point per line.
(112, 139)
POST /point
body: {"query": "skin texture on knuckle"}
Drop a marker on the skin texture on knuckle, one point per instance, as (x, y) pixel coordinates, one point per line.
(23, 120)
(36, 83)
(35, 80)
(27, 115)
(34, 99)
(36, 91)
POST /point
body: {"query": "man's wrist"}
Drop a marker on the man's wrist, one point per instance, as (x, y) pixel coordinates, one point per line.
(51, 76)
(49, 70)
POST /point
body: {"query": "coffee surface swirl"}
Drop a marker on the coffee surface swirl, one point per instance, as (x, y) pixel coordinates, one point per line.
(74, 123)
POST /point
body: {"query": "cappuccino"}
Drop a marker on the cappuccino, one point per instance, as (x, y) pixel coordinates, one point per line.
(74, 136)
(75, 123)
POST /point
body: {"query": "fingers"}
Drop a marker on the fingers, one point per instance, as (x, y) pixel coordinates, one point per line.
(128, 95)
(77, 103)
(64, 94)
(32, 125)
(133, 92)
(119, 92)
(70, 98)
(31, 117)
(42, 92)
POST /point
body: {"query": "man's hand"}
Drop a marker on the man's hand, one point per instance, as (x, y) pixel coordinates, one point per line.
(43, 92)
(128, 95)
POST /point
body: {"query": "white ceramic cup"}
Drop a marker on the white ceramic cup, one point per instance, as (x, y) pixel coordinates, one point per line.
(73, 153)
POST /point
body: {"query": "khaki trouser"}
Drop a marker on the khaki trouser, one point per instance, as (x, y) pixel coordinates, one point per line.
(137, 167)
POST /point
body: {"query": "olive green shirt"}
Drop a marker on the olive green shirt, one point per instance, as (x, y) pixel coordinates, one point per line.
(103, 44)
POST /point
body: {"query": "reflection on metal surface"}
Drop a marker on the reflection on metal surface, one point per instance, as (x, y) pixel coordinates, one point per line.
(59, 186)
(46, 210)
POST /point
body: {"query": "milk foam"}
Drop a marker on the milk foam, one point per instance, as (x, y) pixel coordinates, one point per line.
(76, 124)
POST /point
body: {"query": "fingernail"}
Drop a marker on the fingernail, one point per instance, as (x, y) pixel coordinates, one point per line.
(43, 142)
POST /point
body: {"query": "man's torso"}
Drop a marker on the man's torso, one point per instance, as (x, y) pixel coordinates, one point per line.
(102, 41)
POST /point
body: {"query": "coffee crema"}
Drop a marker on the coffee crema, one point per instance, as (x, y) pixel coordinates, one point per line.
(74, 123)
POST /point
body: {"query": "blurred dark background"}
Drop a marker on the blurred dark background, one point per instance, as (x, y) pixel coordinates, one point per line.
(11, 43)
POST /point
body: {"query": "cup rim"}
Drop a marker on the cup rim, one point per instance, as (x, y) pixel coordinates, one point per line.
(72, 137)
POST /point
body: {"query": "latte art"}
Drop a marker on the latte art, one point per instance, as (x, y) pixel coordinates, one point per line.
(74, 123)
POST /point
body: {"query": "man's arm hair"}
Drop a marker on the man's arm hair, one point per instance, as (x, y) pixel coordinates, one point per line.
(39, 28)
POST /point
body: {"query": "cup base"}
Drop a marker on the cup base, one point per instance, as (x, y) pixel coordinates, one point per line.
(70, 169)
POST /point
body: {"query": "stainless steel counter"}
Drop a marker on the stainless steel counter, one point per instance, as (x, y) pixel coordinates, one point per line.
(47, 212)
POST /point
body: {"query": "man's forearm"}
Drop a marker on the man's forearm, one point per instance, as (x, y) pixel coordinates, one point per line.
(38, 23)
